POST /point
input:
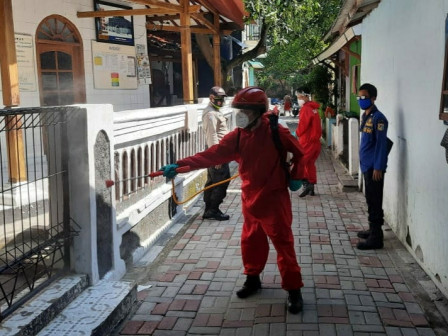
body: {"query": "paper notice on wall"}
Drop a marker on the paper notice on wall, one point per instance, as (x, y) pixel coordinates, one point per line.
(143, 66)
(25, 62)
(114, 66)
(131, 67)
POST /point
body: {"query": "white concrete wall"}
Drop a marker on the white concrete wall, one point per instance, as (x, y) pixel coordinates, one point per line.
(403, 55)
(353, 146)
(27, 16)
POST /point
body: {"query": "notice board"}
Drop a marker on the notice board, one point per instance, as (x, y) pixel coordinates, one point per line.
(25, 63)
(114, 66)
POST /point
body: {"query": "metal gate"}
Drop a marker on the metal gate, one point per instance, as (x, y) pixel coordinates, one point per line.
(35, 224)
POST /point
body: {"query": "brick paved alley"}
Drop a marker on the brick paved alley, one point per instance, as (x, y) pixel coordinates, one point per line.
(347, 292)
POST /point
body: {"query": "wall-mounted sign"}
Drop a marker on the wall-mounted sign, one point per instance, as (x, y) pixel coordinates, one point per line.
(114, 66)
(113, 29)
(143, 66)
(25, 63)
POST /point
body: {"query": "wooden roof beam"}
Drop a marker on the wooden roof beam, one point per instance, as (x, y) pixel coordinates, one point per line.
(217, 75)
(211, 9)
(195, 30)
(125, 12)
(162, 18)
(143, 11)
(201, 18)
(167, 5)
(351, 53)
(156, 3)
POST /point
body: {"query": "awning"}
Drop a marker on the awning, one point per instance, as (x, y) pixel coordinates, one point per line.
(352, 13)
(338, 44)
(256, 65)
(164, 15)
(231, 9)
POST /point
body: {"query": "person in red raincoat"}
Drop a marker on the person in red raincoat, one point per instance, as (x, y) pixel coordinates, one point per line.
(266, 204)
(287, 104)
(309, 131)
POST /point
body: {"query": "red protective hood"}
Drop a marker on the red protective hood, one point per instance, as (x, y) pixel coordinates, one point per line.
(231, 9)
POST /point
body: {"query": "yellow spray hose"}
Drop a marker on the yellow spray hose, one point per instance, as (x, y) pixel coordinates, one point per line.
(206, 188)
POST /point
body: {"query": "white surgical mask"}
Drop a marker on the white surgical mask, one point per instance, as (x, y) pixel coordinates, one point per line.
(301, 102)
(241, 119)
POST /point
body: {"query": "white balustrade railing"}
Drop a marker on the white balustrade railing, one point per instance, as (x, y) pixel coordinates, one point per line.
(147, 139)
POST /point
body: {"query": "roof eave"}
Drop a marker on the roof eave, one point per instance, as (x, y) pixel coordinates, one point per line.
(351, 13)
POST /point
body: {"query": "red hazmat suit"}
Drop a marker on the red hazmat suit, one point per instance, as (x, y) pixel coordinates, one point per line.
(266, 204)
(309, 132)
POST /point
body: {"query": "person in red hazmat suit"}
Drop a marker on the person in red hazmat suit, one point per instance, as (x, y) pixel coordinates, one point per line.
(266, 203)
(309, 131)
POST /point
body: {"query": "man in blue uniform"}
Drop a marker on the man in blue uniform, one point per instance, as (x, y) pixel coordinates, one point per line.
(373, 158)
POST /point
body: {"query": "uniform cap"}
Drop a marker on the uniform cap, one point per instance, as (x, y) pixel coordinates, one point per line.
(218, 91)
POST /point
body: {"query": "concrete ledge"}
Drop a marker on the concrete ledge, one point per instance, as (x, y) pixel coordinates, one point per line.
(347, 183)
(36, 313)
(97, 311)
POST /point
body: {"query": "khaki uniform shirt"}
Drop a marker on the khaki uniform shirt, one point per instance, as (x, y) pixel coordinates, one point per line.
(214, 125)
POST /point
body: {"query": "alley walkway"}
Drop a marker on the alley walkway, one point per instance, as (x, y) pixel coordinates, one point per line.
(347, 292)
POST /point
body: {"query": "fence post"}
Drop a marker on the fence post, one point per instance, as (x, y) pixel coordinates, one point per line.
(92, 206)
(16, 149)
(8, 56)
(339, 137)
(353, 146)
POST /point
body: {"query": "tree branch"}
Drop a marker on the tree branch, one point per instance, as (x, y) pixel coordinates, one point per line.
(327, 65)
(259, 49)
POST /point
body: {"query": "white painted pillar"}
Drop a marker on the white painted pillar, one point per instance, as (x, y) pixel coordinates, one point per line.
(360, 175)
(85, 123)
(339, 137)
(330, 122)
(353, 146)
(328, 132)
(333, 137)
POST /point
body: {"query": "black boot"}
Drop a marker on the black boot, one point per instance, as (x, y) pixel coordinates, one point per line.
(216, 215)
(374, 241)
(305, 189)
(251, 286)
(295, 301)
(311, 187)
(308, 190)
(365, 233)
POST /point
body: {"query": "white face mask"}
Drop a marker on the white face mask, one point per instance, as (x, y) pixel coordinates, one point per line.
(241, 119)
(301, 102)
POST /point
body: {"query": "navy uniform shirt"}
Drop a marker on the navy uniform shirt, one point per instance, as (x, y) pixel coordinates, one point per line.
(373, 148)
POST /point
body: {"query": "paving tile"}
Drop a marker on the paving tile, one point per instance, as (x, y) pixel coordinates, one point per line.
(347, 292)
(425, 332)
(261, 329)
(131, 327)
(327, 330)
(167, 323)
(147, 328)
(409, 332)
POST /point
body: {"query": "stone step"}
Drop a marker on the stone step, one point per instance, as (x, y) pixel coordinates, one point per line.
(96, 311)
(348, 185)
(37, 312)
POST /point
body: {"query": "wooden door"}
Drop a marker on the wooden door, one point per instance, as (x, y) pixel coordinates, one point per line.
(59, 76)
(60, 63)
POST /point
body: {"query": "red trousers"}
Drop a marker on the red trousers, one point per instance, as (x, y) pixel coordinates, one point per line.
(272, 218)
(311, 153)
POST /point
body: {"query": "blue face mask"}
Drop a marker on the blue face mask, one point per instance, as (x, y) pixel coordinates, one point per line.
(365, 103)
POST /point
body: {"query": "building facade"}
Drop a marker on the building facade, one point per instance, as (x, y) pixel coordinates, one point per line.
(403, 55)
(56, 61)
